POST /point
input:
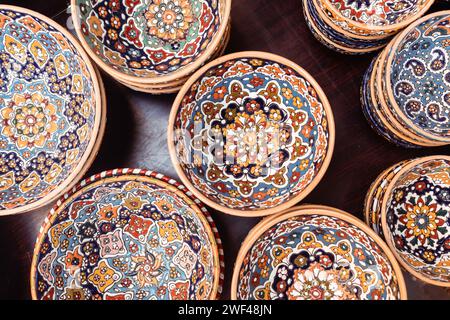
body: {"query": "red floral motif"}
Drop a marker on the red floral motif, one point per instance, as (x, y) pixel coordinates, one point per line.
(132, 33)
(179, 290)
(138, 227)
(158, 56)
(131, 5)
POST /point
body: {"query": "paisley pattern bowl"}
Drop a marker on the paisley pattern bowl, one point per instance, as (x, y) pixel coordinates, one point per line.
(315, 253)
(50, 110)
(128, 235)
(251, 133)
(150, 41)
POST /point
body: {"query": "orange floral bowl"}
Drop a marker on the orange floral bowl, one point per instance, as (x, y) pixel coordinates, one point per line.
(52, 110)
(251, 134)
(315, 253)
(127, 235)
(150, 41)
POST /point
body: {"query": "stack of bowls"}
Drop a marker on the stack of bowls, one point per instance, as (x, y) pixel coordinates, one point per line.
(152, 46)
(405, 93)
(251, 134)
(358, 27)
(128, 235)
(409, 205)
(52, 110)
(315, 253)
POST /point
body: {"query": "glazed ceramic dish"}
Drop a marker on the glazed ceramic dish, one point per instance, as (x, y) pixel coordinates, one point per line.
(315, 253)
(51, 110)
(412, 212)
(151, 41)
(127, 235)
(251, 134)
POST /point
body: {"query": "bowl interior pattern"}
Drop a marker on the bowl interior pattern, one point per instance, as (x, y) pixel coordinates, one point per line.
(418, 216)
(316, 257)
(251, 133)
(150, 37)
(420, 75)
(47, 108)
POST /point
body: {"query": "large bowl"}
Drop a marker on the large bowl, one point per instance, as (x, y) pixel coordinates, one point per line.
(315, 253)
(251, 134)
(51, 109)
(127, 234)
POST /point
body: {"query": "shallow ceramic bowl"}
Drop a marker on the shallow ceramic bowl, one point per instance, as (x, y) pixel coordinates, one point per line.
(414, 219)
(315, 253)
(251, 134)
(51, 110)
(127, 234)
(150, 41)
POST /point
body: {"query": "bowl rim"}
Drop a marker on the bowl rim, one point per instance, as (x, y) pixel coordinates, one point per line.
(201, 210)
(98, 129)
(389, 28)
(305, 210)
(388, 67)
(173, 76)
(287, 204)
(386, 230)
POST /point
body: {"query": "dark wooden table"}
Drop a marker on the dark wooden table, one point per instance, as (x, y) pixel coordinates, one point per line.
(136, 134)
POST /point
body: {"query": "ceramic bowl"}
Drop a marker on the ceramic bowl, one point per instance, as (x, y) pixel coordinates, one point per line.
(127, 235)
(251, 134)
(414, 218)
(51, 109)
(150, 41)
(315, 253)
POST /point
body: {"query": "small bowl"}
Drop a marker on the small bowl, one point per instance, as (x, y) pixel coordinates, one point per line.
(414, 219)
(52, 109)
(251, 134)
(151, 42)
(126, 235)
(315, 253)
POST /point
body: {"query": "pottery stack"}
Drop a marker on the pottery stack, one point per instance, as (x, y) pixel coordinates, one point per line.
(155, 47)
(358, 27)
(405, 93)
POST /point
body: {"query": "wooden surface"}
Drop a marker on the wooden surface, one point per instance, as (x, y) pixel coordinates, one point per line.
(136, 134)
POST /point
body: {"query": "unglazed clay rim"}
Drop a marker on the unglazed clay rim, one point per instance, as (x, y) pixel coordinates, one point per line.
(213, 233)
(180, 73)
(97, 132)
(386, 230)
(319, 210)
(346, 50)
(389, 62)
(287, 204)
(389, 28)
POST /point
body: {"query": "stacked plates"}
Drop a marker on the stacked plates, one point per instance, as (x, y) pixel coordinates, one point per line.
(251, 134)
(409, 205)
(52, 110)
(315, 253)
(128, 235)
(357, 27)
(152, 46)
(405, 93)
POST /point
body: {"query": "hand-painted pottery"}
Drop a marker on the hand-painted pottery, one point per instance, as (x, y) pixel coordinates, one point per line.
(127, 234)
(415, 218)
(150, 41)
(315, 253)
(51, 110)
(251, 134)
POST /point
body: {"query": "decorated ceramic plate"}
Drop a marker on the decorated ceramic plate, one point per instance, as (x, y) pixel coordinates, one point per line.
(50, 110)
(251, 134)
(315, 253)
(127, 235)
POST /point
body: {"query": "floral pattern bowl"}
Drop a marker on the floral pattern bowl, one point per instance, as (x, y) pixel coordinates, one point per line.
(251, 134)
(51, 109)
(127, 235)
(315, 253)
(150, 41)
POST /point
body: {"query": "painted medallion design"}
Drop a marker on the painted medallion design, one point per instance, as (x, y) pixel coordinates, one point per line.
(47, 108)
(128, 236)
(312, 257)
